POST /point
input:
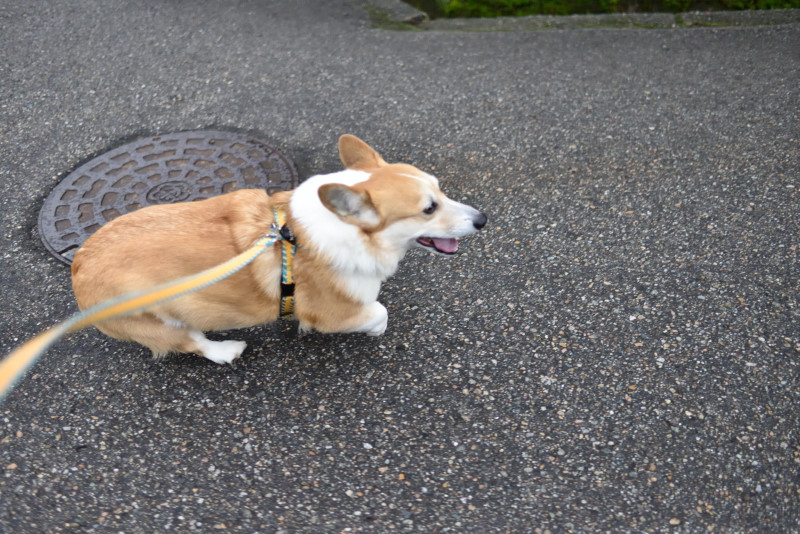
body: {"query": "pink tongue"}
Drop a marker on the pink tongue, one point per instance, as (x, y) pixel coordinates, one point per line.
(445, 245)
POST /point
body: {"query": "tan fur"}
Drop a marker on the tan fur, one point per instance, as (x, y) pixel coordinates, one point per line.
(163, 243)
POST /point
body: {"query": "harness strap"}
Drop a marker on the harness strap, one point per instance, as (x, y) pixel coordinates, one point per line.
(288, 248)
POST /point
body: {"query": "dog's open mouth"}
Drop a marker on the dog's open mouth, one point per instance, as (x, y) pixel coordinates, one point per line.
(439, 244)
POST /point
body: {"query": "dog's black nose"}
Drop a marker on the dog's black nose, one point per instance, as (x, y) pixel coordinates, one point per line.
(479, 221)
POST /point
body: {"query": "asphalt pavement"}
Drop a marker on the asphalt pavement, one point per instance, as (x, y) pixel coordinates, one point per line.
(617, 351)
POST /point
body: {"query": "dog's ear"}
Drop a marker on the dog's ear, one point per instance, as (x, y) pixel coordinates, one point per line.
(354, 207)
(358, 155)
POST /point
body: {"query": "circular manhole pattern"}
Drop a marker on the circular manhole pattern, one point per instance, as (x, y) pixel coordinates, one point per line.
(157, 170)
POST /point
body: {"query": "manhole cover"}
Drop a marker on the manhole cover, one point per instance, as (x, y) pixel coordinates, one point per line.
(157, 170)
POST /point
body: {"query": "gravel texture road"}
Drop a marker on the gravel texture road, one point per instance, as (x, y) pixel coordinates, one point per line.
(618, 351)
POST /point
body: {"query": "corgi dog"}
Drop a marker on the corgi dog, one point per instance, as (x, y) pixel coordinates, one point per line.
(351, 227)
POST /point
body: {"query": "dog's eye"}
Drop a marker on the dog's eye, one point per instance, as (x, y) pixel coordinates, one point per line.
(431, 208)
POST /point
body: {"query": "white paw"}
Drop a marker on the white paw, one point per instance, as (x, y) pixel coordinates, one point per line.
(222, 352)
(380, 319)
(378, 330)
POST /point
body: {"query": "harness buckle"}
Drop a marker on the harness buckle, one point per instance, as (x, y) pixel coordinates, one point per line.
(286, 234)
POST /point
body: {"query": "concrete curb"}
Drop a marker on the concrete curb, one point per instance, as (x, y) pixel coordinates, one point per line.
(398, 12)
(393, 12)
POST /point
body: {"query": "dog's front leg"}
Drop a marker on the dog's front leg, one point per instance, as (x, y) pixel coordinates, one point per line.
(370, 319)
(375, 318)
(304, 328)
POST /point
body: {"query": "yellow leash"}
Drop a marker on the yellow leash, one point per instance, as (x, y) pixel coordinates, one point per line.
(16, 363)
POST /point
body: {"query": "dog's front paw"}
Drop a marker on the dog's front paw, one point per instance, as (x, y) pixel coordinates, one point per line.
(380, 319)
(303, 329)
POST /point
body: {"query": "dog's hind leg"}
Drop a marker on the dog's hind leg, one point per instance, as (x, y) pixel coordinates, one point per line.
(163, 336)
(220, 352)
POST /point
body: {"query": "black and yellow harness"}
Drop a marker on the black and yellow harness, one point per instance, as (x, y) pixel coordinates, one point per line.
(16, 363)
(288, 248)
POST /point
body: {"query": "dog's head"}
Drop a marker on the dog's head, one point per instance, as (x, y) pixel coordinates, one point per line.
(398, 204)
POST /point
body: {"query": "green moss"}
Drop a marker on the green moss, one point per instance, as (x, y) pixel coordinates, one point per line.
(497, 8)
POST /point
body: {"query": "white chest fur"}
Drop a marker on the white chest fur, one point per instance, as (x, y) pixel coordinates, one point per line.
(361, 267)
(363, 289)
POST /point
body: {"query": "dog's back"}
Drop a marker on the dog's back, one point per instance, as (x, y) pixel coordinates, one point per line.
(159, 244)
